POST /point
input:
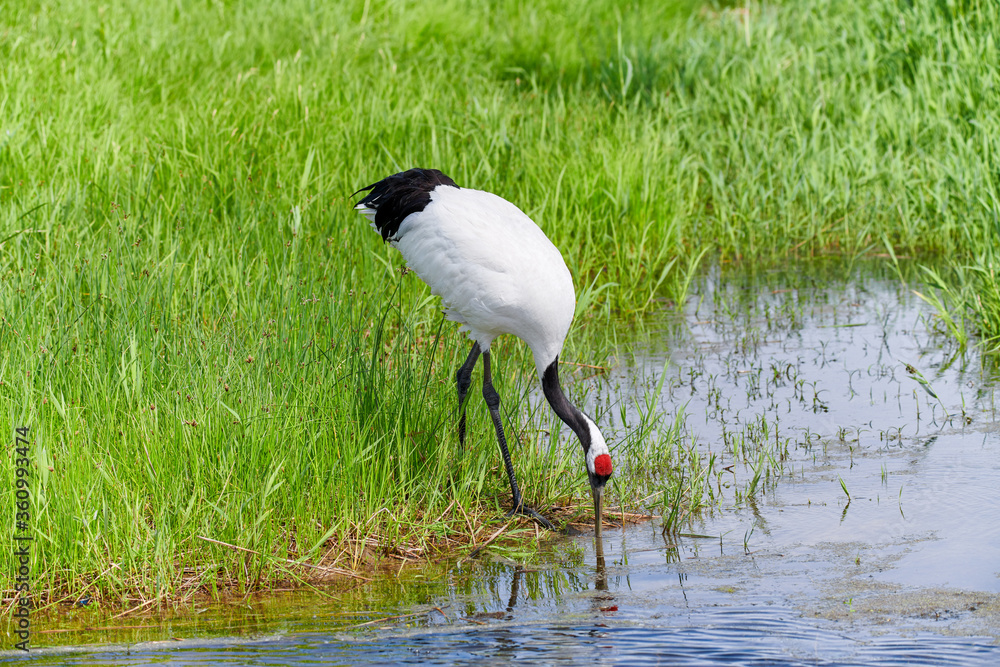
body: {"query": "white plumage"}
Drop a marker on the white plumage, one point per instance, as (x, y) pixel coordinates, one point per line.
(493, 268)
(496, 272)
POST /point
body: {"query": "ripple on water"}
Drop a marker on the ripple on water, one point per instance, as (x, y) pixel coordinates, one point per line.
(735, 636)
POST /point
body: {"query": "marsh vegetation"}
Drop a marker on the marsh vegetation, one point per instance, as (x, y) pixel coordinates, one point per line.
(226, 374)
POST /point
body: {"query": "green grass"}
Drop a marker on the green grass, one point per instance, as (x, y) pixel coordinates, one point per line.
(966, 300)
(205, 340)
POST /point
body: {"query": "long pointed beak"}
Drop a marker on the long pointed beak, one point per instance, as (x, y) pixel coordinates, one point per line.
(598, 511)
(601, 583)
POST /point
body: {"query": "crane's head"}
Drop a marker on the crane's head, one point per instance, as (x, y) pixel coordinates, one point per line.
(595, 448)
(599, 468)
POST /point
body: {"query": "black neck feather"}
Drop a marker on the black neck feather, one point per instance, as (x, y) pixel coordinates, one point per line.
(561, 405)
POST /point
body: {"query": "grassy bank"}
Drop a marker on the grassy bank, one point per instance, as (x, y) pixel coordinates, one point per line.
(206, 341)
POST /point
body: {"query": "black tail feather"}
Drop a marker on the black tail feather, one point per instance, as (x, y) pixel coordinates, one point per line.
(397, 196)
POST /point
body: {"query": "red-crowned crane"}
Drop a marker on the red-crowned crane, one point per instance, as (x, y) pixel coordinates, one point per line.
(497, 273)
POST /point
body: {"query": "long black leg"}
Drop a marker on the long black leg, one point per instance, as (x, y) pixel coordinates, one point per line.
(464, 380)
(493, 403)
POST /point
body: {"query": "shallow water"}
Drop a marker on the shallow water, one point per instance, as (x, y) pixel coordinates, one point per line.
(905, 572)
(865, 401)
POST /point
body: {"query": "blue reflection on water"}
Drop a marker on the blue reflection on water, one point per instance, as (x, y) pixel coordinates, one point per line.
(735, 636)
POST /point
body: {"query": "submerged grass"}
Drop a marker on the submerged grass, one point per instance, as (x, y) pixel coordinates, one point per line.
(205, 340)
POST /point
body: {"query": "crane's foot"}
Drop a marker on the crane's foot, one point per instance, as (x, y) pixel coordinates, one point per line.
(532, 514)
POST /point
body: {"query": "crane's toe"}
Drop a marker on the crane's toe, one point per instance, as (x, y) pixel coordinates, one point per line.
(532, 514)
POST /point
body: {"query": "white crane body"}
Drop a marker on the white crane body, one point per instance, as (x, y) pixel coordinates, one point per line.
(494, 269)
(496, 272)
